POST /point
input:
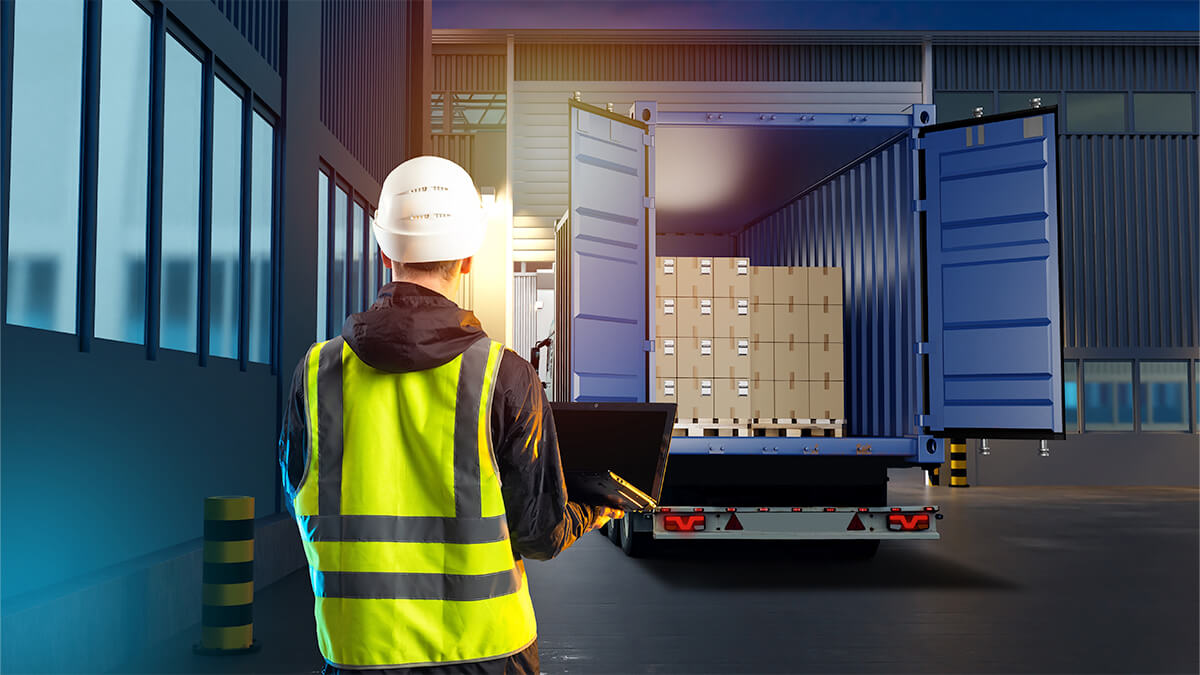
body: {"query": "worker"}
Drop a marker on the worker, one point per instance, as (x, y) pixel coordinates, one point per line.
(420, 459)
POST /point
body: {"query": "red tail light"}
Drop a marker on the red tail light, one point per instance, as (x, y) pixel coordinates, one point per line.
(830, 509)
(908, 522)
(928, 508)
(763, 508)
(797, 509)
(896, 509)
(683, 523)
(863, 509)
(698, 509)
(665, 509)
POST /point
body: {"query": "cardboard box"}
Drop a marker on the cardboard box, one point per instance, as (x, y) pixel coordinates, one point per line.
(695, 357)
(665, 278)
(694, 277)
(664, 390)
(731, 277)
(761, 283)
(792, 361)
(762, 361)
(695, 317)
(762, 322)
(666, 361)
(731, 358)
(791, 323)
(791, 399)
(825, 323)
(790, 285)
(732, 399)
(762, 399)
(827, 400)
(666, 320)
(731, 317)
(694, 398)
(825, 286)
(825, 361)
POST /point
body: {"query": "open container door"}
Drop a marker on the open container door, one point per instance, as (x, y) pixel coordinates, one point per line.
(603, 257)
(994, 322)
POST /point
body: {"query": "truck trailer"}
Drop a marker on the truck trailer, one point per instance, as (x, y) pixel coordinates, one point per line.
(949, 241)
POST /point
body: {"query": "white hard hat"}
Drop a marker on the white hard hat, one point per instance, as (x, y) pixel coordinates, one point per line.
(428, 211)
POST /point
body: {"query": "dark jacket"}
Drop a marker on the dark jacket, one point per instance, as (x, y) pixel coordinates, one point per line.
(412, 328)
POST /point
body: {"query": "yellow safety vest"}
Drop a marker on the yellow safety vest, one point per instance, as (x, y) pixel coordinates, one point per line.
(401, 514)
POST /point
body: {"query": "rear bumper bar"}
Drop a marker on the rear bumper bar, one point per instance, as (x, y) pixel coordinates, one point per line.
(784, 523)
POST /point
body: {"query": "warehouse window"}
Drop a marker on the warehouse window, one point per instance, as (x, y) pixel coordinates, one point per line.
(1011, 101)
(1071, 395)
(1163, 395)
(43, 233)
(960, 105)
(341, 205)
(262, 202)
(1196, 394)
(123, 172)
(1095, 113)
(181, 198)
(224, 288)
(322, 255)
(1108, 395)
(1163, 113)
(357, 243)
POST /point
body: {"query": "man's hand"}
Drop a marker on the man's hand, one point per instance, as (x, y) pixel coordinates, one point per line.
(606, 514)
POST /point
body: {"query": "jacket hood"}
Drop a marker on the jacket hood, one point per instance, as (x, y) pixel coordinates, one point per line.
(409, 328)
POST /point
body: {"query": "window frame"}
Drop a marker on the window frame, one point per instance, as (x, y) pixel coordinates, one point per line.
(1189, 425)
(1133, 94)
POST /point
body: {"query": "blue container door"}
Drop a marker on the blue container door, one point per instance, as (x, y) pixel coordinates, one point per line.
(608, 265)
(992, 257)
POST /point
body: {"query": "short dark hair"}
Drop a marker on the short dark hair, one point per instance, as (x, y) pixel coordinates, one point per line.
(445, 268)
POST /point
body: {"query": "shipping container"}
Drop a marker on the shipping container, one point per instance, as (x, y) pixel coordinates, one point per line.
(948, 239)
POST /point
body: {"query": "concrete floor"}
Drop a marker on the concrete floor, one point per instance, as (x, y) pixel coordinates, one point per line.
(1030, 580)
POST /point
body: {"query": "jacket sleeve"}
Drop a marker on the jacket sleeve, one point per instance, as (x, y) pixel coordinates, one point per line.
(542, 522)
(293, 439)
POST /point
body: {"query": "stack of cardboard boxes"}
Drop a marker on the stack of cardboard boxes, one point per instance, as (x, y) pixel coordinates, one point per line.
(796, 314)
(739, 345)
(703, 338)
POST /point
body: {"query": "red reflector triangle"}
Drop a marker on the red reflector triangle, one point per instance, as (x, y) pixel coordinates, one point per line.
(734, 523)
(856, 524)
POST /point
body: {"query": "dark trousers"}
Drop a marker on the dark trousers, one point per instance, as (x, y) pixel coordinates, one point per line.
(525, 662)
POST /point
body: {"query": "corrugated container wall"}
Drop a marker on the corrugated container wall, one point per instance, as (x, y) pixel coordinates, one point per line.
(862, 221)
(363, 47)
(1131, 239)
(474, 73)
(458, 148)
(1081, 68)
(258, 22)
(717, 62)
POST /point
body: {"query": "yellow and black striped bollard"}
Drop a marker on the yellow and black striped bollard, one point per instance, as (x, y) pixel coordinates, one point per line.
(227, 619)
(958, 463)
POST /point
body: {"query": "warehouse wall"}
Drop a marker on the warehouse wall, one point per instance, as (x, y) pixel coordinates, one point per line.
(1130, 219)
(109, 448)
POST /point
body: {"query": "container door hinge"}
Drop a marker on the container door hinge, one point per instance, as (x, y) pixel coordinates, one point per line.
(648, 140)
(648, 202)
(918, 141)
(648, 345)
(923, 421)
(922, 347)
(918, 205)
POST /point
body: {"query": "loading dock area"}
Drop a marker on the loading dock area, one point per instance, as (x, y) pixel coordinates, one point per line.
(1024, 580)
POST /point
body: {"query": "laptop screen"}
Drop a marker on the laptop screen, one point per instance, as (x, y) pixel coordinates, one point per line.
(629, 439)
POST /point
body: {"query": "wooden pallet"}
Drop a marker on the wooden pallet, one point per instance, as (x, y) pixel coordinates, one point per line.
(711, 427)
(798, 428)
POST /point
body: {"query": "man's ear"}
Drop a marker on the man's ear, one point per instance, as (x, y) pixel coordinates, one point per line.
(387, 262)
(466, 265)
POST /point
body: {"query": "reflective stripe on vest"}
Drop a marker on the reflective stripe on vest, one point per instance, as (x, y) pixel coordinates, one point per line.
(403, 523)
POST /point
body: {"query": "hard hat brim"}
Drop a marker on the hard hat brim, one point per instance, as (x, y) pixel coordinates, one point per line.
(412, 247)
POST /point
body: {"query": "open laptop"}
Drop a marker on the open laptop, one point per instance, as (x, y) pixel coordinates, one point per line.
(614, 454)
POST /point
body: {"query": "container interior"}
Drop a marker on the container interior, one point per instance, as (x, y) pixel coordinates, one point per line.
(812, 197)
